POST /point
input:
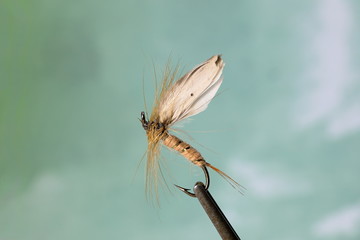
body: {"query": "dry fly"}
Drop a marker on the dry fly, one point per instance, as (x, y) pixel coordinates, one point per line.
(174, 102)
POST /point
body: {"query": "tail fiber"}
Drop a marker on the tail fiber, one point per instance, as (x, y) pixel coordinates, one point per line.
(231, 181)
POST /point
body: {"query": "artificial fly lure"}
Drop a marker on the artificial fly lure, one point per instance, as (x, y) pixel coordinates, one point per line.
(176, 101)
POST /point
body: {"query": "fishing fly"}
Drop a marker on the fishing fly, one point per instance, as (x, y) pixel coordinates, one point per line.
(175, 101)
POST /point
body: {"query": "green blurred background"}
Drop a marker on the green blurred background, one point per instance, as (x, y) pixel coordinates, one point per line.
(286, 124)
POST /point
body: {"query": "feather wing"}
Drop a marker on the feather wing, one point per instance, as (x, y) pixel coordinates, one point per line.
(175, 101)
(192, 93)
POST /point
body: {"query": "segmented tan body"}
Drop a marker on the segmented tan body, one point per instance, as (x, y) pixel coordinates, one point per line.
(184, 149)
(175, 101)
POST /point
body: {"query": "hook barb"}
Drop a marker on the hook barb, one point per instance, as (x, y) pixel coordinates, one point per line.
(207, 183)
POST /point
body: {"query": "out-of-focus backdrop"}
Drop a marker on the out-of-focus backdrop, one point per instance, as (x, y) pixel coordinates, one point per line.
(286, 124)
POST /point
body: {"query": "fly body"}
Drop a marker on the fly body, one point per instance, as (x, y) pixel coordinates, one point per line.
(176, 101)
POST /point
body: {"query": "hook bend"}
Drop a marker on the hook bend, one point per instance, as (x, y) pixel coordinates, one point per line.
(207, 183)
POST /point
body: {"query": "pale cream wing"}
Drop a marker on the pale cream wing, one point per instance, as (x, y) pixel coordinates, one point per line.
(192, 93)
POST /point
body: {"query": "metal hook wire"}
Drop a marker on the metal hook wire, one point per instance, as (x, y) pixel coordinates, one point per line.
(217, 217)
(207, 183)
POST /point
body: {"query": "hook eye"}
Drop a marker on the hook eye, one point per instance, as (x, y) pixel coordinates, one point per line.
(143, 121)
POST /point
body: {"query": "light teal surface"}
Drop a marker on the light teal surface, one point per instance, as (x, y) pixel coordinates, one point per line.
(286, 124)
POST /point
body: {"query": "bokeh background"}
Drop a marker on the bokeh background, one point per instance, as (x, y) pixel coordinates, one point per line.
(286, 124)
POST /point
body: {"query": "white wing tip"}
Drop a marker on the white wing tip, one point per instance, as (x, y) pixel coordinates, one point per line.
(217, 60)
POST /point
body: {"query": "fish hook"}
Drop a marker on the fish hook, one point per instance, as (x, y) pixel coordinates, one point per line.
(207, 183)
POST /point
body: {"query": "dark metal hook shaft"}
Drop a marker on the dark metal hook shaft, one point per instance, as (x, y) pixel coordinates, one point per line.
(215, 214)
